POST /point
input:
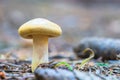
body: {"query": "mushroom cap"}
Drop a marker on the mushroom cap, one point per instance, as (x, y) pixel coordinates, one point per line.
(39, 26)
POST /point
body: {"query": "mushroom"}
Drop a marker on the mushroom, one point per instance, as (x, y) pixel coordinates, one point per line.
(39, 30)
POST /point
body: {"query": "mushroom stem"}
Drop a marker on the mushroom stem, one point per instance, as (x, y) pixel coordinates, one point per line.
(40, 50)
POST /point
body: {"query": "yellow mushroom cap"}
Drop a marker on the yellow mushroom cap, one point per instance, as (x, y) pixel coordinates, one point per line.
(39, 26)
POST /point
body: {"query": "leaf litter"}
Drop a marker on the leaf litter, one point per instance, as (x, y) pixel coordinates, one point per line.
(15, 69)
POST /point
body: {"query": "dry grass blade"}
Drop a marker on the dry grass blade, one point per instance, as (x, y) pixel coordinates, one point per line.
(87, 59)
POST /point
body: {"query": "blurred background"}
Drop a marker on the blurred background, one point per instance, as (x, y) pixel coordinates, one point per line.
(77, 18)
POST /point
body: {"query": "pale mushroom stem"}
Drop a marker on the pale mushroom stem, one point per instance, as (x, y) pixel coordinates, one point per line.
(40, 51)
